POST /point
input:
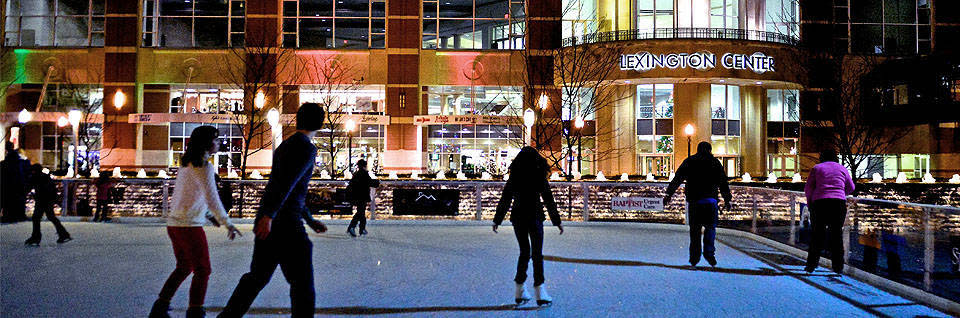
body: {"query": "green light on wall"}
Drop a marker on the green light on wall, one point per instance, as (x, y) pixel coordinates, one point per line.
(21, 69)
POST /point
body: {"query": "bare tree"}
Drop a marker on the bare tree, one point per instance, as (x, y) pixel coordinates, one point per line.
(583, 76)
(336, 77)
(254, 68)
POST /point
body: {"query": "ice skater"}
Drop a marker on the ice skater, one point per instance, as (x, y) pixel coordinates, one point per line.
(827, 188)
(280, 236)
(44, 196)
(359, 192)
(705, 180)
(525, 189)
(194, 196)
(104, 185)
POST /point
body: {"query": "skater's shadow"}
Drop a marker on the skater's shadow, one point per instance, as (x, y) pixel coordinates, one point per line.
(740, 271)
(361, 310)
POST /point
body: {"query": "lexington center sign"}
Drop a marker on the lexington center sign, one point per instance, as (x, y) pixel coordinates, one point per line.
(644, 61)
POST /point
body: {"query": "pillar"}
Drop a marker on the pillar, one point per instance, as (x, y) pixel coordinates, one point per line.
(119, 141)
(691, 106)
(152, 144)
(753, 130)
(617, 134)
(404, 141)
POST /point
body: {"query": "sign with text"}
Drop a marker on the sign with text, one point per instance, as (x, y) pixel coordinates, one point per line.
(644, 61)
(426, 201)
(465, 120)
(636, 204)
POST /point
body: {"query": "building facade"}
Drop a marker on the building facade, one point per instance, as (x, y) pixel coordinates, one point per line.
(440, 85)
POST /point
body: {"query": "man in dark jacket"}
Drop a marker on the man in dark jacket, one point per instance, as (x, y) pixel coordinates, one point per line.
(359, 196)
(705, 180)
(44, 196)
(13, 176)
(280, 236)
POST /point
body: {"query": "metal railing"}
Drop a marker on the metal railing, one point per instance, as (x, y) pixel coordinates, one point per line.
(915, 244)
(681, 33)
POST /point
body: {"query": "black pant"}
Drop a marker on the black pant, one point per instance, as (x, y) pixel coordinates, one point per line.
(703, 221)
(39, 211)
(826, 218)
(103, 209)
(360, 217)
(291, 250)
(530, 237)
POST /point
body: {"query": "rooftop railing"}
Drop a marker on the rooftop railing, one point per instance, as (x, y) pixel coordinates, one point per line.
(681, 33)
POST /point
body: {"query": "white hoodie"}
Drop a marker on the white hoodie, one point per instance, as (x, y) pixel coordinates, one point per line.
(195, 195)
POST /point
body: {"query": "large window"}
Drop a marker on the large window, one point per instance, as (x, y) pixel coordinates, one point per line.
(206, 99)
(357, 24)
(475, 100)
(473, 24)
(471, 148)
(57, 142)
(783, 131)
(368, 99)
(723, 13)
(655, 14)
(725, 115)
(231, 143)
(182, 23)
(885, 26)
(654, 112)
(782, 16)
(31, 23)
(579, 18)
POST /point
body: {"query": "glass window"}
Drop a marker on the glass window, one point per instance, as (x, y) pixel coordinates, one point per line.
(476, 100)
(367, 99)
(654, 112)
(198, 23)
(206, 99)
(69, 23)
(334, 24)
(782, 16)
(725, 112)
(473, 24)
(893, 27)
(723, 14)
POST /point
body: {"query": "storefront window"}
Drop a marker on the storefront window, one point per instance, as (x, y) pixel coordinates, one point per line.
(231, 144)
(654, 112)
(783, 131)
(473, 24)
(474, 100)
(206, 99)
(366, 99)
(334, 24)
(367, 143)
(725, 114)
(177, 23)
(472, 148)
(57, 142)
(31, 23)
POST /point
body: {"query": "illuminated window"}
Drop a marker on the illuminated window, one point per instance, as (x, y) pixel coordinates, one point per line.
(725, 114)
(782, 16)
(206, 99)
(334, 24)
(230, 137)
(54, 23)
(473, 24)
(783, 131)
(476, 100)
(579, 18)
(723, 14)
(180, 23)
(654, 14)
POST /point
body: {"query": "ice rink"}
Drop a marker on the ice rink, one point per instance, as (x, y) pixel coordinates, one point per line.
(436, 268)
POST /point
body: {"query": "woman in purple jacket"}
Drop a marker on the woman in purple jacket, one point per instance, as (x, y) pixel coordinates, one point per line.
(827, 189)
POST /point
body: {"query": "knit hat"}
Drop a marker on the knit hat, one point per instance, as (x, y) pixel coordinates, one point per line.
(310, 116)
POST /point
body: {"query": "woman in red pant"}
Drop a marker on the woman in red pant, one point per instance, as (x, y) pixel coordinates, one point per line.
(194, 197)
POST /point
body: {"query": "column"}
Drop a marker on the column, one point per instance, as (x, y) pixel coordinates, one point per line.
(753, 130)
(617, 135)
(152, 145)
(119, 142)
(691, 106)
(404, 140)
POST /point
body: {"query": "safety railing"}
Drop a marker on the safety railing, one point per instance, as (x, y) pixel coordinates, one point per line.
(914, 244)
(681, 33)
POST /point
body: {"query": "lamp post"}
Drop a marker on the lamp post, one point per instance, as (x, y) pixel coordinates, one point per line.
(273, 118)
(688, 130)
(350, 125)
(578, 123)
(259, 100)
(74, 116)
(529, 117)
(61, 122)
(118, 100)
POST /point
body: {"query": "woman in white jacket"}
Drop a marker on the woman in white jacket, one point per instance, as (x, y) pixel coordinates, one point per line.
(194, 198)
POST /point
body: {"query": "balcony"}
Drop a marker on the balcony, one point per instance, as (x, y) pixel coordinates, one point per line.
(681, 33)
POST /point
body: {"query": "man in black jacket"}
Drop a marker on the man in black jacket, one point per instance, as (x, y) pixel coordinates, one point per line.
(280, 236)
(359, 196)
(44, 196)
(705, 180)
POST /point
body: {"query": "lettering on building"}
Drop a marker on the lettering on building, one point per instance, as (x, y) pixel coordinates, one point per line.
(644, 61)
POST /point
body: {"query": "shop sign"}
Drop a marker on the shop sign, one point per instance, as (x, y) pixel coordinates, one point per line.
(464, 120)
(644, 61)
(368, 119)
(636, 204)
(162, 118)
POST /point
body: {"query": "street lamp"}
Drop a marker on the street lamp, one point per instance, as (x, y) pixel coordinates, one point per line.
(528, 119)
(688, 130)
(24, 116)
(273, 118)
(61, 122)
(259, 100)
(74, 117)
(578, 123)
(118, 100)
(543, 102)
(350, 126)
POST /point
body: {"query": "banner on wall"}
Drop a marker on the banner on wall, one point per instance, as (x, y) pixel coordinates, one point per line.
(636, 204)
(465, 120)
(426, 201)
(163, 118)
